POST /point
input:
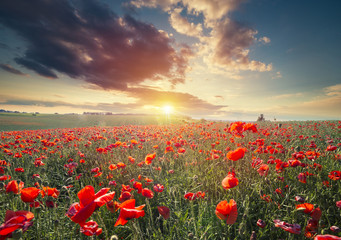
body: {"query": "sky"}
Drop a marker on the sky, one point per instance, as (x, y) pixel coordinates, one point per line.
(211, 59)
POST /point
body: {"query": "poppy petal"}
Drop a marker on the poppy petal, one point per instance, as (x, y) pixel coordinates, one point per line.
(86, 195)
(84, 213)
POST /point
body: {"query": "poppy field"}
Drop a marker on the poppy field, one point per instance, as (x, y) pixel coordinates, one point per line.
(198, 180)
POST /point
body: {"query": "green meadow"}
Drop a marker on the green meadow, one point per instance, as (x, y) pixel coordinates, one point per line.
(28, 121)
(218, 180)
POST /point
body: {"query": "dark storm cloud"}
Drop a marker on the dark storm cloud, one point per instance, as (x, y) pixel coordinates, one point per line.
(38, 68)
(4, 46)
(86, 40)
(11, 69)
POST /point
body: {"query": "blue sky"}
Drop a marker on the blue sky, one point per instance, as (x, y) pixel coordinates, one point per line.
(222, 59)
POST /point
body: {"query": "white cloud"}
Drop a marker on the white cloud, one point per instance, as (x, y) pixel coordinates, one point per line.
(164, 4)
(334, 90)
(212, 9)
(226, 43)
(285, 96)
(181, 24)
(277, 75)
(265, 40)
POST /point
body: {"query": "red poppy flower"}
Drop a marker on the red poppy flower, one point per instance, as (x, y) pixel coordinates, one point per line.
(311, 228)
(236, 154)
(131, 159)
(292, 228)
(307, 207)
(326, 237)
(227, 211)
(90, 229)
(266, 198)
(335, 175)
(190, 196)
(316, 214)
(250, 127)
(112, 183)
(331, 148)
(126, 188)
(14, 187)
(138, 186)
(326, 183)
(181, 150)
(294, 163)
(200, 194)
(261, 223)
(35, 204)
(29, 194)
(263, 170)
(53, 192)
(129, 211)
(237, 128)
(50, 204)
(5, 177)
(88, 203)
(149, 158)
(158, 188)
(164, 211)
(15, 220)
(98, 174)
(147, 193)
(302, 177)
(112, 167)
(125, 196)
(338, 204)
(230, 181)
(121, 165)
(169, 149)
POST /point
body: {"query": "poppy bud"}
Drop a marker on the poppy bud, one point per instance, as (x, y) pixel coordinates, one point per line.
(299, 199)
(261, 223)
(56, 223)
(335, 229)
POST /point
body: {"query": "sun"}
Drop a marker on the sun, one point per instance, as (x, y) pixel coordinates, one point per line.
(167, 109)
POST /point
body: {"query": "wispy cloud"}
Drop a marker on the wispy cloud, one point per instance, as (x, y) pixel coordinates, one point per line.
(334, 90)
(277, 75)
(11, 69)
(286, 96)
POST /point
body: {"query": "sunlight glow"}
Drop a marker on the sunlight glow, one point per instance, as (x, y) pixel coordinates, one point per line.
(167, 109)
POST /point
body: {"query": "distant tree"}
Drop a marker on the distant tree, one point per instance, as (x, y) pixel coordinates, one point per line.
(261, 118)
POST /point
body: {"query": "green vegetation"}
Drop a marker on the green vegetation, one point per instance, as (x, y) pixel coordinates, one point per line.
(26, 121)
(190, 157)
